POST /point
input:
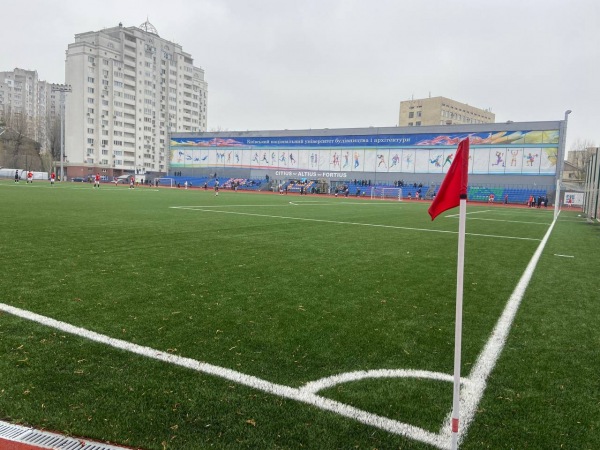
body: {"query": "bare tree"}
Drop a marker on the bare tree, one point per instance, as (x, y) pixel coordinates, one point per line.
(579, 155)
(17, 123)
(53, 136)
(217, 129)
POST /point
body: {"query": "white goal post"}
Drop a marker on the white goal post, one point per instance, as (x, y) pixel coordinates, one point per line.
(386, 193)
(166, 181)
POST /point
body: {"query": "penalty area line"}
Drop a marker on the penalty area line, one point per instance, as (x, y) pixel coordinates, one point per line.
(337, 222)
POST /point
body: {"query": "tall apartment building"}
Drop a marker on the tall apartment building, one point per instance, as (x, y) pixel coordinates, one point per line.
(130, 89)
(25, 104)
(441, 111)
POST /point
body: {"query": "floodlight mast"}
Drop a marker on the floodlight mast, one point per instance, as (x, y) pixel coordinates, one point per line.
(560, 160)
(63, 89)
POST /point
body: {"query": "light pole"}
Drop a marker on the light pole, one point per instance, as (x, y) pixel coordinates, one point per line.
(560, 157)
(63, 89)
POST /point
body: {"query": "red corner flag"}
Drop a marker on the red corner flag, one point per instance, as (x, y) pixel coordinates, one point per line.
(454, 185)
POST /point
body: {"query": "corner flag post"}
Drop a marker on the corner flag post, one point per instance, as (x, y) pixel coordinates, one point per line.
(458, 321)
(453, 193)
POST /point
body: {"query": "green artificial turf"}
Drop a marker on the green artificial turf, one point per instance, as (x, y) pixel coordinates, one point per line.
(289, 293)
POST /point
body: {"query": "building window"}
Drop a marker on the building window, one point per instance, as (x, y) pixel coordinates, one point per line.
(411, 115)
(418, 124)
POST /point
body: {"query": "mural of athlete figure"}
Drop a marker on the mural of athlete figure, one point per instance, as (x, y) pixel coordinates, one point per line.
(499, 160)
(448, 160)
(346, 158)
(292, 160)
(381, 161)
(436, 161)
(273, 158)
(264, 158)
(335, 160)
(395, 160)
(255, 157)
(356, 160)
(530, 159)
(513, 159)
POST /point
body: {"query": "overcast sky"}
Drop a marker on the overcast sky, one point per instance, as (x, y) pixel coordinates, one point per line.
(298, 64)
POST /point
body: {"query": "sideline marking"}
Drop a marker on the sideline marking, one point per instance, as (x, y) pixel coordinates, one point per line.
(472, 388)
(509, 221)
(81, 187)
(470, 213)
(472, 393)
(564, 256)
(395, 227)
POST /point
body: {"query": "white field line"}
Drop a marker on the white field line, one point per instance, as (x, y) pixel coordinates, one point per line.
(395, 227)
(509, 221)
(304, 395)
(471, 393)
(472, 389)
(80, 187)
(279, 205)
(469, 213)
(564, 256)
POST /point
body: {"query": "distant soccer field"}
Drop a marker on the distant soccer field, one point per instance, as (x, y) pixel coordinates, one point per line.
(172, 318)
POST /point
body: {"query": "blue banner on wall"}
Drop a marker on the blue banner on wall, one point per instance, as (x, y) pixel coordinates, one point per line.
(373, 141)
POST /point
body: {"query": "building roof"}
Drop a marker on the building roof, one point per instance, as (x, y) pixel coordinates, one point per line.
(148, 27)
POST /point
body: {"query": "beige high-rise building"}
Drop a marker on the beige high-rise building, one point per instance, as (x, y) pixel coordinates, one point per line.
(130, 89)
(441, 111)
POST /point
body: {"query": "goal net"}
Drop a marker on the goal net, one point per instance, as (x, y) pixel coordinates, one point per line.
(166, 182)
(386, 193)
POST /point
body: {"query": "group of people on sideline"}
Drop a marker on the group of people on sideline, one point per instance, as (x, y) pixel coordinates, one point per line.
(532, 202)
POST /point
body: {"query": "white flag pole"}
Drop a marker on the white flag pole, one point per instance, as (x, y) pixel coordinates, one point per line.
(458, 321)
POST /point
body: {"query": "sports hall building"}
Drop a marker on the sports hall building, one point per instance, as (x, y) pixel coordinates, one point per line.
(509, 155)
